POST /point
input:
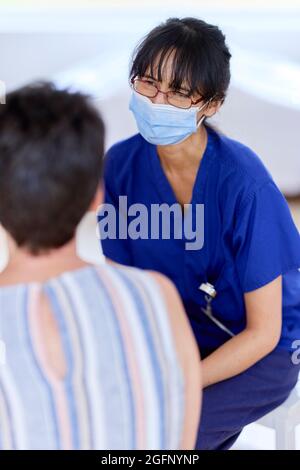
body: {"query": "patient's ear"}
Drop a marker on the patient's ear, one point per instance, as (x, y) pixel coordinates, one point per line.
(98, 199)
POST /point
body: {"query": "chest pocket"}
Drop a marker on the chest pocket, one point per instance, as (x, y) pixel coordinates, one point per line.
(224, 278)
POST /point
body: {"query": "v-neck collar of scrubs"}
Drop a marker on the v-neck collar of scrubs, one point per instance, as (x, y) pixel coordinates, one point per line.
(160, 179)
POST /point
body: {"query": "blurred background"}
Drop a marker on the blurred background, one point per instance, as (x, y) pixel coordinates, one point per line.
(87, 45)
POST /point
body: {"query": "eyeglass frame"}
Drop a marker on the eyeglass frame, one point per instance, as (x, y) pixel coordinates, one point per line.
(134, 79)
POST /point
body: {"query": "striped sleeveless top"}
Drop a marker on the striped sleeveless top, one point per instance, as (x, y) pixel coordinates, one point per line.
(123, 387)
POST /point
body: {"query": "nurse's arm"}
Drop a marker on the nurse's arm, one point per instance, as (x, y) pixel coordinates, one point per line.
(188, 357)
(260, 337)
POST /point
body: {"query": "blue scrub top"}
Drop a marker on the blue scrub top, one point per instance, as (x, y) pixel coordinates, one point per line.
(249, 235)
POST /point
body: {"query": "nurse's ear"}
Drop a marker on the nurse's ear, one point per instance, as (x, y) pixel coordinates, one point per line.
(98, 199)
(212, 108)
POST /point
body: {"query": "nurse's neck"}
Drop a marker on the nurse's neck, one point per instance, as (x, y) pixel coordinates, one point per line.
(185, 154)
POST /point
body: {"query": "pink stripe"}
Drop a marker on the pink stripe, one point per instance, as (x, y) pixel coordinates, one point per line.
(60, 397)
(130, 358)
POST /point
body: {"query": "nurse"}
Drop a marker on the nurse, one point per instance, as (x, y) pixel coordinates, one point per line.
(241, 288)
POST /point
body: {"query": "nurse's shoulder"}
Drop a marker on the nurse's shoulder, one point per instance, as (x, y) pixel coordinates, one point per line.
(240, 162)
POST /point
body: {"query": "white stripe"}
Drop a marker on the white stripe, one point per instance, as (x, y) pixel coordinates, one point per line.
(157, 336)
(6, 440)
(92, 381)
(108, 317)
(175, 379)
(77, 389)
(17, 409)
(141, 347)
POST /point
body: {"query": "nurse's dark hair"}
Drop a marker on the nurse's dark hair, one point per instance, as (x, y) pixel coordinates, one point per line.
(201, 56)
(51, 148)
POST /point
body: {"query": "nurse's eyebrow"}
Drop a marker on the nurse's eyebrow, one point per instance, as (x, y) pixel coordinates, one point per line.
(151, 78)
(155, 79)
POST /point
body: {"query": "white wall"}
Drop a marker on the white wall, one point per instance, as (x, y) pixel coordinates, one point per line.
(90, 48)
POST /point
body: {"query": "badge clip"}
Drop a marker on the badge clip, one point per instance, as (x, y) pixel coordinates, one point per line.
(208, 289)
(211, 293)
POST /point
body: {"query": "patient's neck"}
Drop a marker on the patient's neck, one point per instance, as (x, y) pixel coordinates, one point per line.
(23, 267)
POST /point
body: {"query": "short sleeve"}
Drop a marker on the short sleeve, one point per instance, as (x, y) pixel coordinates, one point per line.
(114, 247)
(266, 240)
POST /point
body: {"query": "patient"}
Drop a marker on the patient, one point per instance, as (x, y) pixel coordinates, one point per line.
(96, 357)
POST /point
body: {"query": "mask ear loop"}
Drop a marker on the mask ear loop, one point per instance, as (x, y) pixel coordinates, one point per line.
(199, 109)
(200, 121)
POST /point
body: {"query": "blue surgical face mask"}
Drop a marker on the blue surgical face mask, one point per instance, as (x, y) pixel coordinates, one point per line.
(163, 124)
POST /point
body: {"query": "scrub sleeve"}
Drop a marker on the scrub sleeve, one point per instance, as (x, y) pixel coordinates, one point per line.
(266, 245)
(266, 241)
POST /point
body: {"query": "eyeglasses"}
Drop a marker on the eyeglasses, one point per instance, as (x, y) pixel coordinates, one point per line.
(175, 98)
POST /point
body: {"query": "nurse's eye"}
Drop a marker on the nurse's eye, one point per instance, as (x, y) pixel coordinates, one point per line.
(145, 87)
(150, 82)
(180, 94)
(179, 99)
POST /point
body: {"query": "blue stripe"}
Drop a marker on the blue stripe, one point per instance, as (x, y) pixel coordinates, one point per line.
(157, 331)
(67, 347)
(157, 373)
(123, 359)
(76, 315)
(38, 368)
(12, 436)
